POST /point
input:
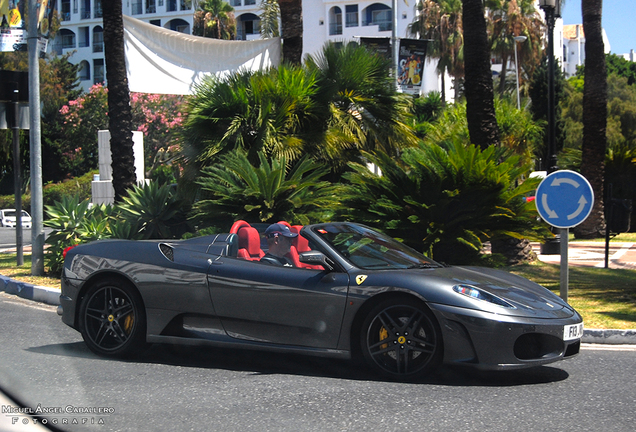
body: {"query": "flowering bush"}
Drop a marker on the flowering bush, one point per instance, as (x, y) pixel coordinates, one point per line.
(159, 117)
(83, 117)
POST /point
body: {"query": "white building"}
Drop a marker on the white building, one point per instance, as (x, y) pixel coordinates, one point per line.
(573, 53)
(323, 20)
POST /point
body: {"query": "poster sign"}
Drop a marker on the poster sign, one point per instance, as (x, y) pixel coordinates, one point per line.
(411, 65)
(380, 45)
(13, 27)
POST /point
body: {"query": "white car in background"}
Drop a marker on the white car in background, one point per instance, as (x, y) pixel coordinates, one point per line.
(8, 216)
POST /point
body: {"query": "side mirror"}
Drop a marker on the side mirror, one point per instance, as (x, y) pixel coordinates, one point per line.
(315, 257)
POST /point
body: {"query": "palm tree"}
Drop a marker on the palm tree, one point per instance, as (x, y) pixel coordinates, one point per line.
(344, 101)
(214, 19)
(594, 116)
(274, 190)
(270, 13)
(291, 17)
(440, 21)
(119, 112)
(268, 112)
(508, 19)
(480, 109)
(358, 105)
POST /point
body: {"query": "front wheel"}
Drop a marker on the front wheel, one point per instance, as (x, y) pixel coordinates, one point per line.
(113, 319)
(400, 338)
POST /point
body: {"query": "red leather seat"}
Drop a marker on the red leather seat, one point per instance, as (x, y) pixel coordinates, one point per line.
(299, 245)
(249, 241)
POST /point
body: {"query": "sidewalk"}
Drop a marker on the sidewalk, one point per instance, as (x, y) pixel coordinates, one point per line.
(622, 255)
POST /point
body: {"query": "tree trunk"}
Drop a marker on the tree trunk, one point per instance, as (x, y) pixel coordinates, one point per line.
(478, 87)
(291, 16)
(594, 117)
(514, 250)
(119, 112)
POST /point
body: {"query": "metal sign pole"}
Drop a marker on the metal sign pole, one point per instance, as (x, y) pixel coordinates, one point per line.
(565, 275)
(17, 177)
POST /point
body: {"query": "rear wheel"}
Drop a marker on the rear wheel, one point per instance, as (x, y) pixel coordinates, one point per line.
(112, 319)
(400, 339)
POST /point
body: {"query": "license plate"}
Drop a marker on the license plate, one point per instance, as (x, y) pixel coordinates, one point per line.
(573, 331)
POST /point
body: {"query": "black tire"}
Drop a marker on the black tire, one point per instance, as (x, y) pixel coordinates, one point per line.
(401, 340)
(112, 319)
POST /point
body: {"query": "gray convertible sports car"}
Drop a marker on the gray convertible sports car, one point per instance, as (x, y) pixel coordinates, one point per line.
(352, 291)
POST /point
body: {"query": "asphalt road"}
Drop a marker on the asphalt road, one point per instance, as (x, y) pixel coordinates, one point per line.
(7, 238)
(45, 363)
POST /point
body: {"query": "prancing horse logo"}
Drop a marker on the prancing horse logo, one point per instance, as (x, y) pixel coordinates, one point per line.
(360, 279)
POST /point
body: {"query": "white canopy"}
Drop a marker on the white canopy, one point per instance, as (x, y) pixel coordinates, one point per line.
(165, 61)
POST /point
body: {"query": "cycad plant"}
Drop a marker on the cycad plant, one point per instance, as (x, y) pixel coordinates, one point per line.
(444, 202)
(148, 212)
(156, 210)
(235, 189)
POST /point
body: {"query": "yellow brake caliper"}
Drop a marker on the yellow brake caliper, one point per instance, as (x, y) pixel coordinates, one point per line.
(128, 323)
(384, 334)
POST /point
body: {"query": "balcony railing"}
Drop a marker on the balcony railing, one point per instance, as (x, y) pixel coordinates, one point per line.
(98, 13)
(66, 16)
(98, 47)
(68, 41)
(85, 13)
(151, 9)
(335, 28)
(382, 25)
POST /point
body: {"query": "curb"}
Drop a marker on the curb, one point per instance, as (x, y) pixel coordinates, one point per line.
(51, 296)
(609, 336)
(29, 291)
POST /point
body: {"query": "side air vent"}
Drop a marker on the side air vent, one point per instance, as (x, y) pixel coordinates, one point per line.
(167, 251)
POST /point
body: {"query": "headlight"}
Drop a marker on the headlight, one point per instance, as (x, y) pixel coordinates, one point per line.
(479, 294)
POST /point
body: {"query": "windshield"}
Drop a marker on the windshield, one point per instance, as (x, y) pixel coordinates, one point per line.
(369, 249)
(11, 213)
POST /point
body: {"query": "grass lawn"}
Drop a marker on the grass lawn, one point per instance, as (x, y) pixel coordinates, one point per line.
(606, 298)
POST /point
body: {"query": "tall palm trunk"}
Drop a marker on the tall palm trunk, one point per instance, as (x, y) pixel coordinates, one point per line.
(119, 112)
(291, 17)
(594, 116)
(478, 88)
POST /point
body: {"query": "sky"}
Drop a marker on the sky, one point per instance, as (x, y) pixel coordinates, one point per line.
(619, 22)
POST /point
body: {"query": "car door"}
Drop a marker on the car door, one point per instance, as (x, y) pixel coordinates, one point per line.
(279, 305)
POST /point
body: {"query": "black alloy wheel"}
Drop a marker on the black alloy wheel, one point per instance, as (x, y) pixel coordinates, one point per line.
(112, 319)
(401, 339)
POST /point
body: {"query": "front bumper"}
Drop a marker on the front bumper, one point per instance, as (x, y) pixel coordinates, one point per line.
(494, 342)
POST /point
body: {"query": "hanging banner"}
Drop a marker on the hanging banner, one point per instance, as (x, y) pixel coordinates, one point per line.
(380, 45)
(13, 28)
(159, 60)
(411, 65)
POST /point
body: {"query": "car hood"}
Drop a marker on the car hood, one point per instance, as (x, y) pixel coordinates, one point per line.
(528, 298)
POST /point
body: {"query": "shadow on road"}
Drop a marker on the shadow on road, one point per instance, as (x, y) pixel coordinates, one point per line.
(266, 363)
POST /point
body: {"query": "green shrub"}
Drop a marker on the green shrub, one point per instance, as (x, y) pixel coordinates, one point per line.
(148, 212)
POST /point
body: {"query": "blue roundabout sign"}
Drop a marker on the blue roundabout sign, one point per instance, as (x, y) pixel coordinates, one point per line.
(564, 199)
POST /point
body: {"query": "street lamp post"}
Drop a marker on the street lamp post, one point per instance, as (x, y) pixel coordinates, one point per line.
(518, 39)
(552, 9)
